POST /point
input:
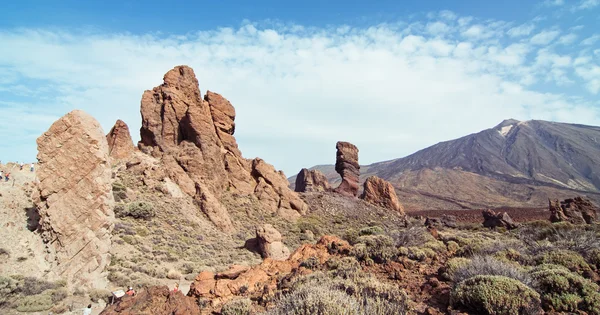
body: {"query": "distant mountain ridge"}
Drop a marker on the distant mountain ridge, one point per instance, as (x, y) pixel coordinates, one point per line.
(512, 164)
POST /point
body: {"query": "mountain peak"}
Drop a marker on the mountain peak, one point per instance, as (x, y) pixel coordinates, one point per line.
(506, 123)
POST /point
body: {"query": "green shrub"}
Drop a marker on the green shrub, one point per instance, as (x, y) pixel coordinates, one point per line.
(237, 307)
(416, 253)
(316, 299)
(35, 303)
(593, 258)
(310, 263)
(494, 295)
(371, 230)
(436, 246)
(351, 236)
(33, 286)
(345, 268)
(8, 287)
(452, 266)
(378, 248)
(452, 247)
(569, 259)
(412, 236)
(58, 295)
(100, 294)
(136, 210)
(565, 291)
(488, 266)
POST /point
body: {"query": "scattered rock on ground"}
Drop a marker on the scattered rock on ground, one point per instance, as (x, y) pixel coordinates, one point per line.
(576, 211)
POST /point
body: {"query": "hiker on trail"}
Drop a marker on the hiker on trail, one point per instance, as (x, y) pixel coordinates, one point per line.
(88, 310)
(176, 288)
(1, 175)
(21, 165)
(7, 177)
(130, 292)
(32, 167)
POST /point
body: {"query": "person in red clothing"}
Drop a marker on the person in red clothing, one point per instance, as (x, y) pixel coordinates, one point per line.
(130, 292)
(176, 288)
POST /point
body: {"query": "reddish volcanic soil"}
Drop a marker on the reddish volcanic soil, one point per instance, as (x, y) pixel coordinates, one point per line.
(517, 214)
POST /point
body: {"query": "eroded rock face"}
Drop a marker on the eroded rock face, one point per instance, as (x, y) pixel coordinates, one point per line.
(120, 145)
(311, 181)
(347, 166)
(194, 138)
(262, 279)
(576, 211)
(381, 192)
(492, 219)
(74, 197)
(154, 301)
(270, 243)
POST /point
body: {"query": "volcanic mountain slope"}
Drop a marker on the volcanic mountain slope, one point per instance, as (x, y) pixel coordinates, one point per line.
(519, 164)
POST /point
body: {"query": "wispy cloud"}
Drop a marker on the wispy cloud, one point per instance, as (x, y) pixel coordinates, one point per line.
(390, 88)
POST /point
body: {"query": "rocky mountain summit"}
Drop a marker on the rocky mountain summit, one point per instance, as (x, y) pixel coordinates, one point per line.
(516, 163)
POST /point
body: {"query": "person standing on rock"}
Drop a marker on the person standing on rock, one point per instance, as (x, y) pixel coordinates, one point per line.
(32, 167)
(176, 288)
(130, 292)
(88, 310)
(21, 166)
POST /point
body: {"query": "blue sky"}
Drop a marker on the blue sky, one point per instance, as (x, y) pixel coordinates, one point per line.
(390, 76)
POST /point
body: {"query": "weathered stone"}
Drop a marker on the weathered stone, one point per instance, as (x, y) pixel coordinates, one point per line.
(311, 181)
(347, 166)
(270, 244)
(380, 192)
(501, 219)
(445, 220)
(156, 300)
(120, 145)
(194, 138)
(74, 197)
(576, 211)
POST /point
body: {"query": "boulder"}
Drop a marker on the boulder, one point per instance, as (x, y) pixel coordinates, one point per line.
(270, 243)
(193, 136)
(311, 181)
(381, 192)
(493, 220)
(156, 300)
(576, 211)
(74, 197)
(120, 145)
(445, 220)
(347, 166)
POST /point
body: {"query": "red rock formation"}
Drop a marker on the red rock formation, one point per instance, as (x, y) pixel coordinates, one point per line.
(221, 287)
(120, 145)
(576, 211)
(492, 220)
(311, 181)
(74, 197)
(194, 137)
(154, 301)
(380, 192)
(347, 166)
(270, 244)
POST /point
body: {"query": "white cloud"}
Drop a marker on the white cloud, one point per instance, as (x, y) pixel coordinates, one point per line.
(544, 37)
(437, 28)
(521, 30)
(448, 15)
(299, 89)
(567, 39)
(590, 40)
(586, 4)
(553, 3)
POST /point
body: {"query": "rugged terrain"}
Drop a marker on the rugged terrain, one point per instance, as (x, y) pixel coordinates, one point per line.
(516, 164)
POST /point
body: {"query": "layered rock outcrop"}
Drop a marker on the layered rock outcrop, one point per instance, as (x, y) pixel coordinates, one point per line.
(381, 192)
(311, 181)
(576, 211)
(262, 279)
(74, 197)
(154, 301)
(120, 145)
(270, 243)
(194, 138)
(347, 166)
(492, 219)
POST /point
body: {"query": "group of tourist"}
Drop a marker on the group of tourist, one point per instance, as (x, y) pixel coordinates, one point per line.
(5, 175)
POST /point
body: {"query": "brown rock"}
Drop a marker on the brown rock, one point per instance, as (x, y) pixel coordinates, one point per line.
(445, 220)
(492, 220)
(311, 180)
(576, 211)
(155, 300)
(74, 197)
(120, 145)
(347, 166)
(270, 244)
(194, 138)
(380, 192)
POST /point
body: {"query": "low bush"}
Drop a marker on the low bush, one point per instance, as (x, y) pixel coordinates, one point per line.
(452, 266)
(34, 286)
(488, 266)
(237, 307)
(58, 295)
(173, 274)
(412, 236)
(569, 259)
(310, 263)
(137, 210)
(345, 268)
(565, 291)
(494, 295)
(100, 294)
(371, 230)
(376, 248)
(8, 288)
(35, 303)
